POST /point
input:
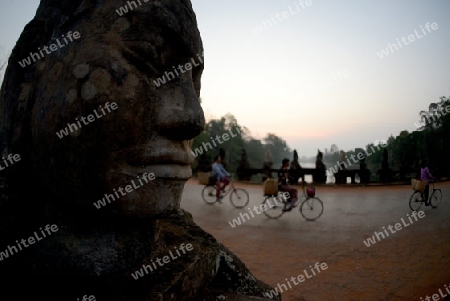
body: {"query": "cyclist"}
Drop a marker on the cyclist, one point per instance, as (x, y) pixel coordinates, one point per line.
(426, 176)
(221, 176)
(283, 175)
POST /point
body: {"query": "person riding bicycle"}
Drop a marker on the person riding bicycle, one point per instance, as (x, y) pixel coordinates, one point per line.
(283, 175)
(426, 176)
(221, 176)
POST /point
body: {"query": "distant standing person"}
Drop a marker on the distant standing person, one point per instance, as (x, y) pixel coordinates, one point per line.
(426, 176)
(221, 176)
(283, 175)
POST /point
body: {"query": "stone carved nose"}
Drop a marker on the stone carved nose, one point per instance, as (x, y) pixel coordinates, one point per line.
(181, 115)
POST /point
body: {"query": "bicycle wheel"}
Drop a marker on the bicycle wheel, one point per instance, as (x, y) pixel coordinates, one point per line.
(239, 197)
(274, 206)
(209, 194)
(436, 198)
(311, 208)
(415, 201)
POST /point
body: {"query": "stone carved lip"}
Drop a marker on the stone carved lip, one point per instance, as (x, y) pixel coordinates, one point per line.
(150, 156)
(164, 162)
(166, 171)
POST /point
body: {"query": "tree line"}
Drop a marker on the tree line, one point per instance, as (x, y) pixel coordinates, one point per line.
(402, 155)
(430, 141)
(239, 139)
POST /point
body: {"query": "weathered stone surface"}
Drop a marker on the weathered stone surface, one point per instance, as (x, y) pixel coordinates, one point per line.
(132, 127)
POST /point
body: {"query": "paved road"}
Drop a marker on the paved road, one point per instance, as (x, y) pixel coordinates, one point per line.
(412, 263)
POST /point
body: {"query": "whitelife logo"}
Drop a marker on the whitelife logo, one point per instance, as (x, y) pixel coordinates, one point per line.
(263, 207)
(340, 165)
(371, 240)
(411, 38)
(266, 24)
(124, 9)
(166, 259)
(300, 278)
(86, 298)
(431, 119)
(168, 76)
(436, 297)
(9, 251)
(86, 120)
(110, 198)
(11, 158)
(53, 47)
(199, 150)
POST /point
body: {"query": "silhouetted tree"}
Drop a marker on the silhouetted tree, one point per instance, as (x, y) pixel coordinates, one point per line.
(278, 148)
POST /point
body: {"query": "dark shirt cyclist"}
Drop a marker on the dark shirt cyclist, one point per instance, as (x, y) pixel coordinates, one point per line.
(283, 175)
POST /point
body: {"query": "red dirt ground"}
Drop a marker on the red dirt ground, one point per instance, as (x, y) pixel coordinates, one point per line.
(408, 265)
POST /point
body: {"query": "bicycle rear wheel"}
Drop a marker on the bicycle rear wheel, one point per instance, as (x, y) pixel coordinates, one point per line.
(209, 194)
(436, 198)
(311, 208)
(415, 201)
(239, 197)
(274, 206)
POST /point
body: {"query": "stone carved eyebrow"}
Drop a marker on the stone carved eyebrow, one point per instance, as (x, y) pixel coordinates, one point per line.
(183, 34)
(176, 38)
(149, 61)
(135, 58)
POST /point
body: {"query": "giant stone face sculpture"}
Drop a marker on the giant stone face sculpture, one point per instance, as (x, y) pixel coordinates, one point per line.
(89, 123)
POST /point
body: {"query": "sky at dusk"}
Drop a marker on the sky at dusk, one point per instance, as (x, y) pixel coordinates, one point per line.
(315, 72)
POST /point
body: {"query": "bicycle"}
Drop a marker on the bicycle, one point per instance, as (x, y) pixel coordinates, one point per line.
(418, 197)
(238, 196)
(311, 207)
